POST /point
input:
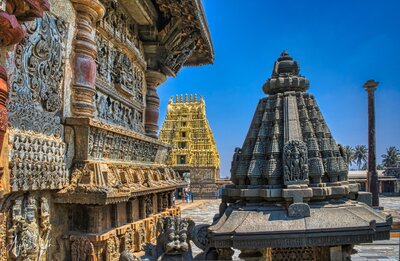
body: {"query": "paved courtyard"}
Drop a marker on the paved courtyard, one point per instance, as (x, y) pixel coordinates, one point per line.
(204, 211)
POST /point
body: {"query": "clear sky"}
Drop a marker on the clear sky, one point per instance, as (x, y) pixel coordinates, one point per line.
(338, 45)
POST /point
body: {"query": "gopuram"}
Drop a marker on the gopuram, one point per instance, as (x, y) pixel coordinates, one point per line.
(193, 147)
(82, 173)
(291, 199)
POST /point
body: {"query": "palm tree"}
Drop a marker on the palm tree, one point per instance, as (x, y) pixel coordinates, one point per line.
(360, 155)
(391, 157)
(348, 154)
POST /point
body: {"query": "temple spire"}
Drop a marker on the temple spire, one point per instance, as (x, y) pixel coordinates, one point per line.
(285, 76)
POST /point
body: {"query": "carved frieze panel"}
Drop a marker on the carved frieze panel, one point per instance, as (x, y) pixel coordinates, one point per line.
(34, 106)
(108, 145)
(120, 87)
(36, 95)
(119, 70)
(119, 24)
(116, 112)
(37, 162)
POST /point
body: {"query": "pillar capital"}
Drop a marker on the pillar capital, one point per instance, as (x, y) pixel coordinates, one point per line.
(92, 8)
(155, 78)
(370, 85)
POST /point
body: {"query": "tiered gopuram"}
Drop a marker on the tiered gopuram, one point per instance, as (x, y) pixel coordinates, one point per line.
(291, 199)
(82, 173)
(193, 147)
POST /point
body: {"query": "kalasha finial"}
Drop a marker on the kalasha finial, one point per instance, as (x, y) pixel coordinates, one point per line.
(285, 76)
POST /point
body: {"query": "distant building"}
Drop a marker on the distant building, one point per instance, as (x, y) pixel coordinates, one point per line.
(193, 146)
(388, 183)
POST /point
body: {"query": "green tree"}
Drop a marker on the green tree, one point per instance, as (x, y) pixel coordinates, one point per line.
(348, 154)
(391, 157)
(360, 155)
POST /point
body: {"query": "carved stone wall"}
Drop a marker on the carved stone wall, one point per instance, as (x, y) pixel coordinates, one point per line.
(120, 83)
(35, 105)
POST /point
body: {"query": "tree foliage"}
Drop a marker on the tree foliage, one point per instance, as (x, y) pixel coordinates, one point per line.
(360, 155)
(391, 157)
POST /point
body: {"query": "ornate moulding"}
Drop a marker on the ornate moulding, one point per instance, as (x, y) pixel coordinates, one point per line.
(131, 237)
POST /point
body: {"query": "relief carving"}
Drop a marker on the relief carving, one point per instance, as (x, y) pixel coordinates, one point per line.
(82, 249)
(28, 234)
(35, 94)
(116, 112)
(113, 248)
(37, 163)
(295, 162)
(104, 144)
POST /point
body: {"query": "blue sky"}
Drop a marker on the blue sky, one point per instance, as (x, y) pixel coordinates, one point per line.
(338, 45)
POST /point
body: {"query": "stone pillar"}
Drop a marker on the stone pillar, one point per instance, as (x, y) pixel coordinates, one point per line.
(372, 177)
(153, 79)
(88, 12)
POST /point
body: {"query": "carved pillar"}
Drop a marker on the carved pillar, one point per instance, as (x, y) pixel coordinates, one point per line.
(153, 79)
(10, 33)
(88, 12)
(372, 177)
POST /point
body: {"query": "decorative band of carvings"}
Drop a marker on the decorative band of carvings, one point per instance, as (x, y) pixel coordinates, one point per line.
(131, 237)
(250, 243)
(115, 129)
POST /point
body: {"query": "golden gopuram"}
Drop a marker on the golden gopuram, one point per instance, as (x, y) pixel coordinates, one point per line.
(83, 175)
(193, 146)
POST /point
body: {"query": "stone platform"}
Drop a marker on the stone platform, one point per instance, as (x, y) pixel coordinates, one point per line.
(387, 250)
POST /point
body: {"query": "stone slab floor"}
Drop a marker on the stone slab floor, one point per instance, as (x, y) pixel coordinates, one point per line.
(388, 250)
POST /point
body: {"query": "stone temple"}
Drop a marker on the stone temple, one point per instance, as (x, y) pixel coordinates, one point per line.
(291, 199)
(83, 175)
(193, 146)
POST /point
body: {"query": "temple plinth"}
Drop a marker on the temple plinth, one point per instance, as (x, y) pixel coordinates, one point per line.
(291, 189)
(372, 177)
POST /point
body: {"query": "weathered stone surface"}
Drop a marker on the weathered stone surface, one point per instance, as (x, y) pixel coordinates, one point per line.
(299, 210)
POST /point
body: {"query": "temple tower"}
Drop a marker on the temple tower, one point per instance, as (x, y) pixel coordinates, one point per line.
(291, 199)
(193, 147)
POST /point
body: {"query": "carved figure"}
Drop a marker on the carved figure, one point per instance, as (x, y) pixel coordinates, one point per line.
(173, 240)
(295, 162)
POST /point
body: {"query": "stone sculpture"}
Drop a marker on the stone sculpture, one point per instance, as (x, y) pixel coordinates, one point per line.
(290, 178)
(173, 242)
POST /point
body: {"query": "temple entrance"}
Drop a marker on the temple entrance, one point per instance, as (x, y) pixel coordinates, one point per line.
(181, 192)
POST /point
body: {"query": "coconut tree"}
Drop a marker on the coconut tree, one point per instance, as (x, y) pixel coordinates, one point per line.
(391, 157)
(348, 154)
(360, 155)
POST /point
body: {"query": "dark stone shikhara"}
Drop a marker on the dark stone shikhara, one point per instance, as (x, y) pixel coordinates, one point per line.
(291, 198)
